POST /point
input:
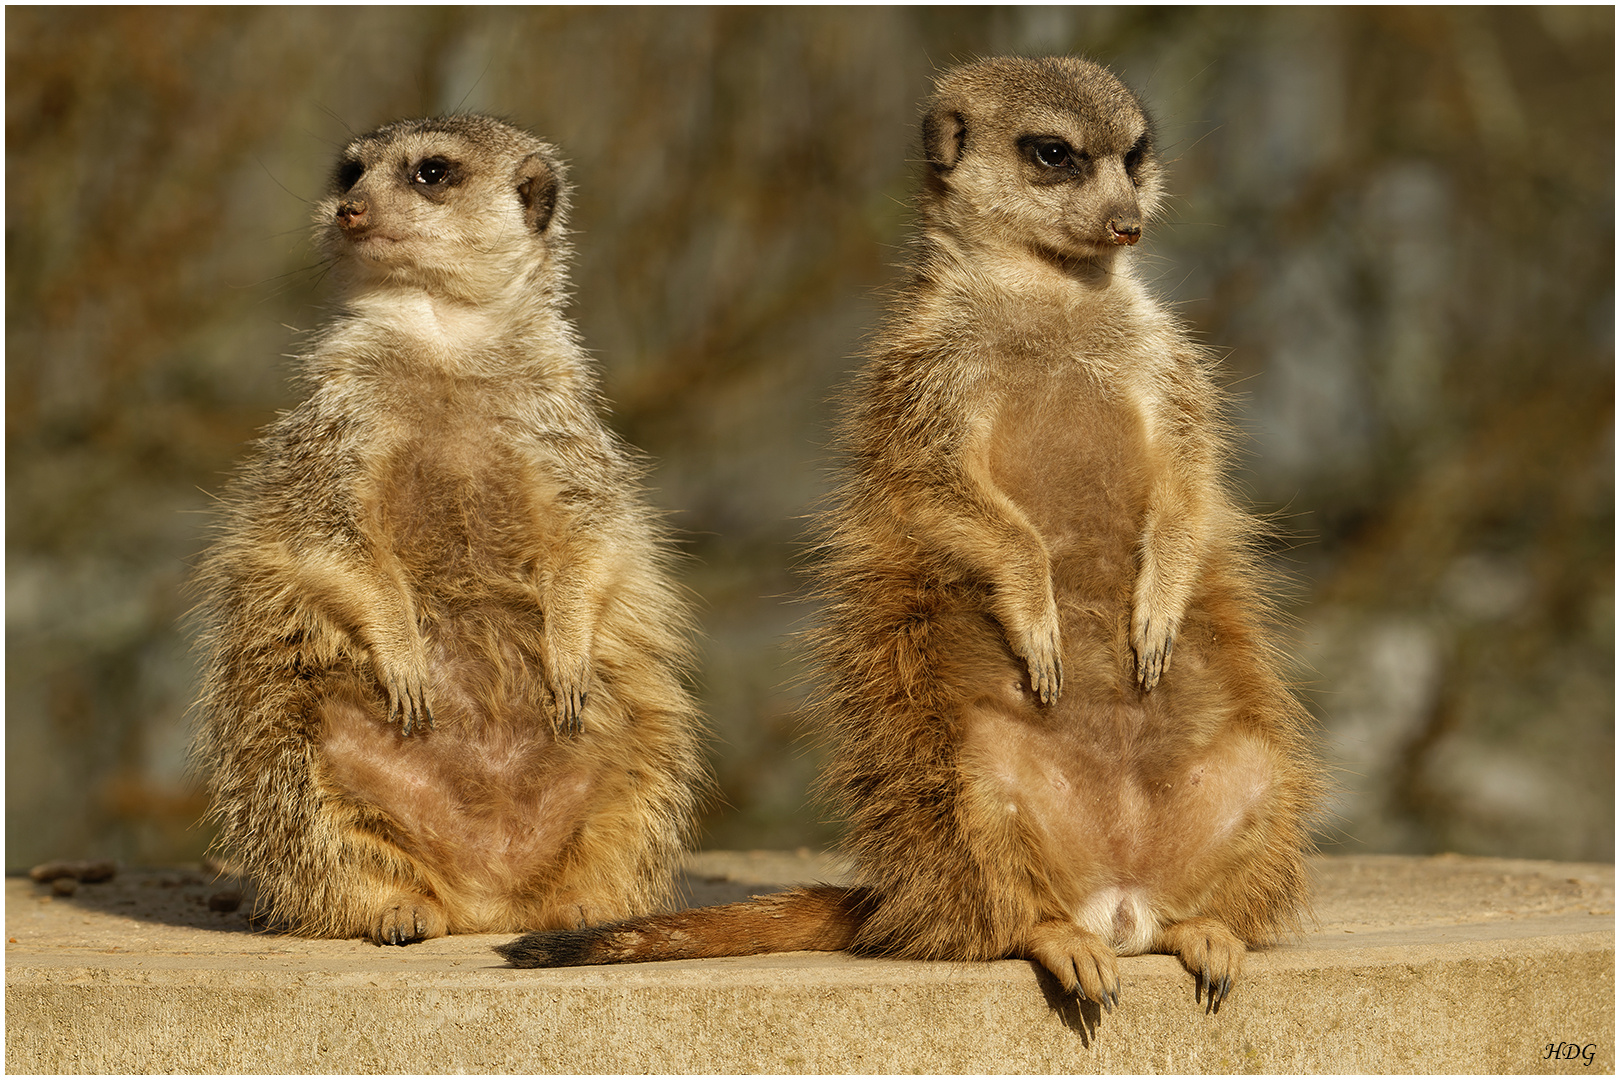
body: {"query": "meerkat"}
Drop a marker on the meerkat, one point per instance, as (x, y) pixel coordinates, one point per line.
(1058, 724)
(445, 658)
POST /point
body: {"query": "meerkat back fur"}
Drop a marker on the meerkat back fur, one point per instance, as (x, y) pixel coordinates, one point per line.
(443, 687)
(1058, 724)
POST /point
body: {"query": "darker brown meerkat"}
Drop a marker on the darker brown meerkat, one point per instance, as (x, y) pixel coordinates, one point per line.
(1059, 728)
(443, 688)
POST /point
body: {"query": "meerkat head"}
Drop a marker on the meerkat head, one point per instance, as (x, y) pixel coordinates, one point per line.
(1053, 155)
(461, 206)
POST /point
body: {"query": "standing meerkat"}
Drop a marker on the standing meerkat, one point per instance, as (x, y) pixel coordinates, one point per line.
(443, 690)
(1059, 730)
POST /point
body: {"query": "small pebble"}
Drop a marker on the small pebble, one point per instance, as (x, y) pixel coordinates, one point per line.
(80, 870)
(229, 900)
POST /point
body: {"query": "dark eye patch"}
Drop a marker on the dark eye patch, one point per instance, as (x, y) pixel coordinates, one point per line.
(1135, 156)
(1053, 158)
(349, 173)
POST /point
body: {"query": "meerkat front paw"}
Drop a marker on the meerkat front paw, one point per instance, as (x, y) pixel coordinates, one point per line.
(404, 682)
(1152, 640)
(1030, 620)
(1210, 951)
(1046, 668)
(1042, 649)
(568, 680)
(407, 918)
(1083, 962)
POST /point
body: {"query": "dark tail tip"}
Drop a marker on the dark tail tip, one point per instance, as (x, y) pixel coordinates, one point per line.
(550, 948)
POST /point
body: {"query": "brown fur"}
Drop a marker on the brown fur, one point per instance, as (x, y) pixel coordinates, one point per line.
(1033, 520)
(444, 681)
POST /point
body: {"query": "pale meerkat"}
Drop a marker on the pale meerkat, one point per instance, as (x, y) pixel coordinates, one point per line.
(1059, 728)
(445, 657)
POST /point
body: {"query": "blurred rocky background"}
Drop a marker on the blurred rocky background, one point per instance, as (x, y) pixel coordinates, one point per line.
(1397, 225)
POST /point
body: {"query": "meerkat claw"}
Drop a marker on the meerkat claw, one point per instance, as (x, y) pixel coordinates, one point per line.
(1046, 674)
(569, 705)
(574, 716)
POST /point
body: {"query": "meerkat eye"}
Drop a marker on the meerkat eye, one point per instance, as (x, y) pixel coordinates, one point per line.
(349, 174)
(430, 171)
(1053, 153)
(1054, 159)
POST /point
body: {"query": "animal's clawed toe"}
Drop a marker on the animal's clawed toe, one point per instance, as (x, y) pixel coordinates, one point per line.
(1153, 639)
(1043, 653)
(1083, 963)
(408, 703)
(1211, 952)
(407, 919)
(569, 704)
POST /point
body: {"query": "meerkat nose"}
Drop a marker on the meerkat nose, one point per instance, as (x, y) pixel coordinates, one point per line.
(351, 214)
(1125, 232)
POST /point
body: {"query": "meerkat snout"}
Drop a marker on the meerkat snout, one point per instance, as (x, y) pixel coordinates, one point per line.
(1124, 216)
(351, 215)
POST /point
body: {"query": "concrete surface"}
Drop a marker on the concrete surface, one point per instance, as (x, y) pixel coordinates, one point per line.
(1444, 964)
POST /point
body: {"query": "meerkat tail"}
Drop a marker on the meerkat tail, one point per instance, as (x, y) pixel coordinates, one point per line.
(816, 918)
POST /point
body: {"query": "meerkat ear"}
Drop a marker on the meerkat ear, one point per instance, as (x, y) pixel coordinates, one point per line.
(944, 133)
(537, 188)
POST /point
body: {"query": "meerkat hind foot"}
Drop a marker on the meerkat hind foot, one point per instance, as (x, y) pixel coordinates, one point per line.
(1210, 951)
(408, 918)
(1083, 962)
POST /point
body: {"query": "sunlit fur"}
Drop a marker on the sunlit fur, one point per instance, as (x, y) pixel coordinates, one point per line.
(444, 660)
(1034, 506)
(1057, 721)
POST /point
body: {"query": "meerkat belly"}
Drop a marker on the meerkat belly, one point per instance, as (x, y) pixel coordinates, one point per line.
(488, 794)
(1133, 800)
(1131, 835)
(489, 806)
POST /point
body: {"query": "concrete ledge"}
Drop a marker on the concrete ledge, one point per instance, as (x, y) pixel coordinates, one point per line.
(1417, 965)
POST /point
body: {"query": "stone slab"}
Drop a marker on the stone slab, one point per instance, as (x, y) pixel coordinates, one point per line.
(1443, 964)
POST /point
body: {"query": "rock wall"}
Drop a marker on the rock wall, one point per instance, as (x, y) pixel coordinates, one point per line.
(1397, 224)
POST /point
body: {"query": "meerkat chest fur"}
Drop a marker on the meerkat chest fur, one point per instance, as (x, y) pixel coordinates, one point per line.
(480, 430)
(466, 498)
